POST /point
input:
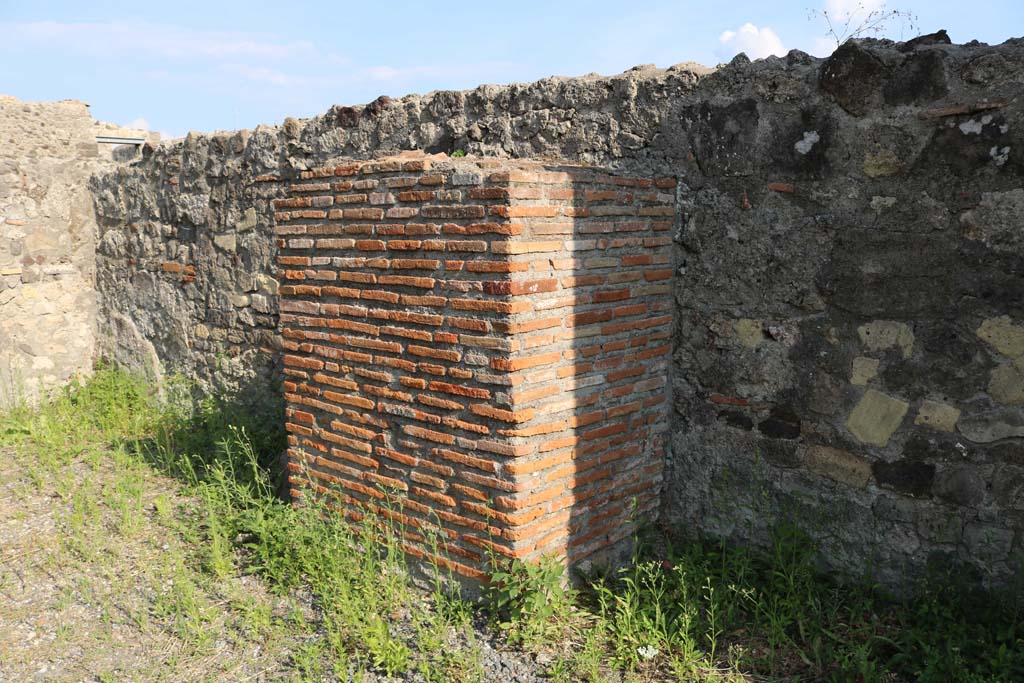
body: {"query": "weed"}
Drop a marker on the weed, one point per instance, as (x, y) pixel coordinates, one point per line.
(529, 599)
(308, 661)
(256, 617)
(701, 611)
(865, 19)
(708, 611)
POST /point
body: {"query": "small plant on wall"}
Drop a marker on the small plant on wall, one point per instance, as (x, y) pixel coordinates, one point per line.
(849, 21)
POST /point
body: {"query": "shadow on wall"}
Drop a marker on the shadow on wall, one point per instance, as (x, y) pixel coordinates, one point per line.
(479, 349)
(594, 346)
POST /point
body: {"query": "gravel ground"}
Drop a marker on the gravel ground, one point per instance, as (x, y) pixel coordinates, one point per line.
(85, 593)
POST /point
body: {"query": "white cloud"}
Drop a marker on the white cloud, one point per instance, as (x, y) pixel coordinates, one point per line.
(184, 55)
(268, 76)
(753, 41)
(160, 40)
(380, 74)
(240, 66)
(390, 74)
(139, 123)
(852, 10)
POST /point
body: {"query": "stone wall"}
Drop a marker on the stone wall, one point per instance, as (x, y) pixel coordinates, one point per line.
(47, 255)
(847, 294)
(184, 253)
(481, 346)
(851, 275)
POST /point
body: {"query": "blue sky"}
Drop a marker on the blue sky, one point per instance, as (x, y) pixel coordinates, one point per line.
(189, 65)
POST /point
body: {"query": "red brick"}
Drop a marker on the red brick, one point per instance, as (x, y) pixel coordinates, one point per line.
(514, 416)
(349, 399)
(363, 214)
(524, 362)
(588, 318)
(471, 324)
(450, 356)
(402, 458)
(428, 434)
(477, 246)
(415, 264)
(404, 245)
(440, 211)
(419, 335)
(386, 403)
(435, 402)
(492, 306)
(407, 281)
(525, 247)
(458, 390)
(464, 459)
(534, 430)
(416, 300)
(495, 266)
(520, 288)
(532, 211)
(611, 295)
(416, 196)
(786, 188)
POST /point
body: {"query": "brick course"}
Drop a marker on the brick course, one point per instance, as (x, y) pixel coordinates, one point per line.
(486, 348)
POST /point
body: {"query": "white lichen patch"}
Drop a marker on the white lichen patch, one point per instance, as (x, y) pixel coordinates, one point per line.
(971, 127)
(879, 203)
(1000, 155)
(806, 144)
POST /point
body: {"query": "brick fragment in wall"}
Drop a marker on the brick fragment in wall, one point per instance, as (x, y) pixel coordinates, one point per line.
(498, 365)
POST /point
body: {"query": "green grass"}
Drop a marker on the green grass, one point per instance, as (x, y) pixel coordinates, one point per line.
(700, 610)
(226, 463)
(708, 610)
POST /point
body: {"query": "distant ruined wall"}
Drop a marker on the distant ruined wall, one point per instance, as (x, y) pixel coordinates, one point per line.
(848, 294)
(48, 151)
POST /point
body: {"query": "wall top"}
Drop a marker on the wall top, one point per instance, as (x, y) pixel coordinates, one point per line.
(539, 171)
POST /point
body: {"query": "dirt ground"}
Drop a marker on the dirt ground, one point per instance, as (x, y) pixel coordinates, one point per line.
(95, 585)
